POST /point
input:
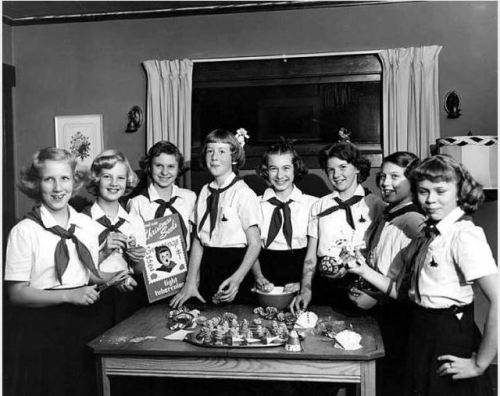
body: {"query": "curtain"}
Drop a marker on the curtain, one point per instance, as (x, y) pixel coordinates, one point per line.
(169, 105)
(410, 99)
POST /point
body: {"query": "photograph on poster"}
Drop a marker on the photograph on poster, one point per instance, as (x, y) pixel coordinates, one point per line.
(80, 134)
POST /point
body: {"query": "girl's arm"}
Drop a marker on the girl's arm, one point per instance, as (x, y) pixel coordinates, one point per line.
(229, 288)
(190, 288)
(22, 294)
(301, 301)
(474, 366)
(381, 282)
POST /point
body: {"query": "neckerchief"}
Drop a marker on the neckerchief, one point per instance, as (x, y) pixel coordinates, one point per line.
(164, 205)
(343, 205)
(277, 220)
(109, 228)
(213, 205)
(61, 254)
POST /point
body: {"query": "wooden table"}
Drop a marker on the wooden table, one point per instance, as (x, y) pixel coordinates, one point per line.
(319, 361)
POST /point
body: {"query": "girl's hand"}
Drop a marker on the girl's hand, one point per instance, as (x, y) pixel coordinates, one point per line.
(86, 295)
(459, 368)
(115, 240)
(228, 289)
(136, 253)
(359, 266)
(300, 302)
(127, 285)
(263, 284)
(361, 299)
(188, 291)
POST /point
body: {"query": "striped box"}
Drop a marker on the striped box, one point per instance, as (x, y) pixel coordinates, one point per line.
(477, 153)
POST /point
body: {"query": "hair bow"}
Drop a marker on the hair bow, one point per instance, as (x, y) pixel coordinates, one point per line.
(242, 136)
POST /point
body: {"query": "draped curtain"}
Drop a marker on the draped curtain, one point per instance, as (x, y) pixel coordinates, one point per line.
(410, 99)
(169, 104)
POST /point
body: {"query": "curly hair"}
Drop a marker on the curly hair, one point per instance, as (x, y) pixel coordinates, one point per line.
(107, 160)
(224, 136)
(403, 159)
(284, 146)
(162, 147)
(348, 152)
(30, 176)
(443, 167)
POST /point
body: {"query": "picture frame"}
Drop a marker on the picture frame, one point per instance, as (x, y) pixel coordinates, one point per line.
(80, 134)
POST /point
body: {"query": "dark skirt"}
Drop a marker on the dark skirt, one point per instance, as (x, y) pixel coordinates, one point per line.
(121, 305)
(436, 332)
(282, 266)
(46, 352)
(393, 320)
(335, 293)
(217, 265)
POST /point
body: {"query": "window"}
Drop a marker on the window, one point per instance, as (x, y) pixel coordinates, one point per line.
(308, 99)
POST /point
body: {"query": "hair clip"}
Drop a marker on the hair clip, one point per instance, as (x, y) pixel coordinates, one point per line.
(242, 136)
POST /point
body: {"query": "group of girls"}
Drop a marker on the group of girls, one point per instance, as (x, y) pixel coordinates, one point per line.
(419, 255)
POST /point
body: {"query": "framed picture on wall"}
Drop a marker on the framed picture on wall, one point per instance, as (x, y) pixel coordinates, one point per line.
(80, 134)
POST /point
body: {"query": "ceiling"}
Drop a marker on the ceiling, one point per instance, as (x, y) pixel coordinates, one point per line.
(38, 12)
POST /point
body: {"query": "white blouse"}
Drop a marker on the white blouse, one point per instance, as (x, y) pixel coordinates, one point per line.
(30, 252)
(238, 210)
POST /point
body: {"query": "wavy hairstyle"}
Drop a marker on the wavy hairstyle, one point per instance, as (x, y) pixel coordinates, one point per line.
(403, 159)
(284, 146)
(162, 147)
(443, 167)
(224, 136)
(30, 176)
(348, 152)
(107, 160)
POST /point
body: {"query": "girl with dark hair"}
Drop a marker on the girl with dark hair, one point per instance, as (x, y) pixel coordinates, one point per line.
(400, 223)
(344, 215)
(227, 214)
(285, 212)
(446, 354)
(162, 166)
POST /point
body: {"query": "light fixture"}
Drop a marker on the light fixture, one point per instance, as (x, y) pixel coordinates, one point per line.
(477, 153)
(135, 119)
(452, 104)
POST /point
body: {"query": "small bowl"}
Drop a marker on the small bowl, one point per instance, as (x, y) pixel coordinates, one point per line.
(275, 298)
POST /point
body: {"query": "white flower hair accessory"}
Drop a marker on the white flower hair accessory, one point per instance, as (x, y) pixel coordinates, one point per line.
(242, 136)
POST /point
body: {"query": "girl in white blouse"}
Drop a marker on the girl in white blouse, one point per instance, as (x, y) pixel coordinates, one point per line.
(227, 219)
(345, 214)
(162, 166)
(51, 275)
(446, 354)
(285, 213)
(121, 235)
(402, 221)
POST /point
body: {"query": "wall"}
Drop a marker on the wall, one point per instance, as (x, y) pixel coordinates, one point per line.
(95, 67)
(6, 44)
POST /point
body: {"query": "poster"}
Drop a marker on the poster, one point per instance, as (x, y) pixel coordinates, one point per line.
(165, 264)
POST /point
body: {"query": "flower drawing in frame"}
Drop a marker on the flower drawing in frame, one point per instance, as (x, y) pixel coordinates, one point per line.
(82, 135)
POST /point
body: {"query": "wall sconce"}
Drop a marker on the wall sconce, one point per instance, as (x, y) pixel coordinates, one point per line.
(452, 104)
(135, 119)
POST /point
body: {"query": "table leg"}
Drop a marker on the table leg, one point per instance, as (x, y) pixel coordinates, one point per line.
(102, 378)
(367, 382)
